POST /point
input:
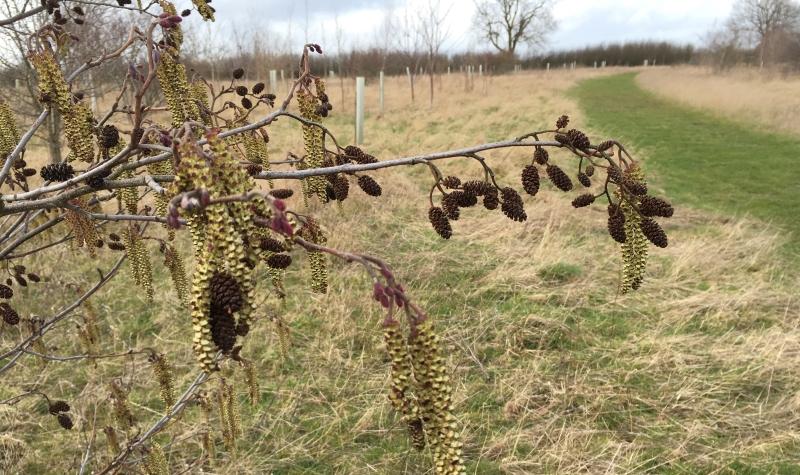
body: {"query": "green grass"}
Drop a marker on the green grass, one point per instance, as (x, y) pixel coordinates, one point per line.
(699, 158)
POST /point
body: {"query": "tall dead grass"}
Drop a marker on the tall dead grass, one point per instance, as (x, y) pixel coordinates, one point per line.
(763, 99)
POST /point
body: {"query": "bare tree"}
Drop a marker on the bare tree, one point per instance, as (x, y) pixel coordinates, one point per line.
(508, 24)
(766, 21)
(433, 34)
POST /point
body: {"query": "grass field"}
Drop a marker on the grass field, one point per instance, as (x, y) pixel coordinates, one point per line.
(698, 373)
(698, 157)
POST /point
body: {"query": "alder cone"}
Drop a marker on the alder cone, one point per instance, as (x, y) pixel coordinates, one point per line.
(440, 222)
(341, 187)
(478, 187)
(57, 172)
(226, 293)
(541, 156)
(282, 193)
(578, 139)
(451, 182)
(559, 178)
(6, 292)
(584, 179)
(223, 330)
(530, 180)
(651, 206)
(369, 186)
(279, 261)
(271, 244)
(65, 421)
(583, 200)
(491, 200)
(10, 316)
(512, 205)
(653, 232)
(58, 406)
(616, 226)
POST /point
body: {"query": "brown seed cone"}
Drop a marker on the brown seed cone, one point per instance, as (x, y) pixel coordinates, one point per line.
(57, 172)
(439, 222)
(109, 137)
(369, 185)
(605, 145)
(65, 421)
(271, 244)
(451, 182)
(559, 178)
(615, 174)
(463, 199)
(282, 193)
(226, 293)
(279, 261)
(530, 180)
(341, 187)
(512, 205)
(478, 187)
(584, 179)
(58, 406)
(450, 207)
(116, 246)
(6, 292)
(653, 206)
(417, 433)
(491, 200)
(637, 188)
(589, 170)
(653, 232)
(616, 227)
(223, 330)
(578, 139)
(10, 316)
(583, 200)
(541, 156)
(562, 139)
(562, 122)
(254, 169)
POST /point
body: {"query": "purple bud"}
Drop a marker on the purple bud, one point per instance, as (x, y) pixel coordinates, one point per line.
(205, 197)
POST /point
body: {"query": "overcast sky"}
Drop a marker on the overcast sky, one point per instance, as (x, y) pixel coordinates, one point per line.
(580, 22)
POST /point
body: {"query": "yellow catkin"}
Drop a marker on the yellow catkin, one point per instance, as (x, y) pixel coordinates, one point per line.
(402, 379)
(206, 438)
(82, 226)
(284, 336)
(204, 9)
(77, 117)
(317, 261)
(112, 441)
(313, 143)
(434, 392)
(9, 134)
(251, 380)
(164, 376)
(199, 93)
(172, 78)
(634, 249)
(177, 271)
(119, 402)
(139, 257)
(128, 197)
(218, 233)
(156, 463)
(230, 420)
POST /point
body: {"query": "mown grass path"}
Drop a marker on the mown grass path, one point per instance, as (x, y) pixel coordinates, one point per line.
(697, 157)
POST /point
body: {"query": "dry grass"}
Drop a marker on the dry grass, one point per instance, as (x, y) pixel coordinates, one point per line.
(555, 373)
(765, 99)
